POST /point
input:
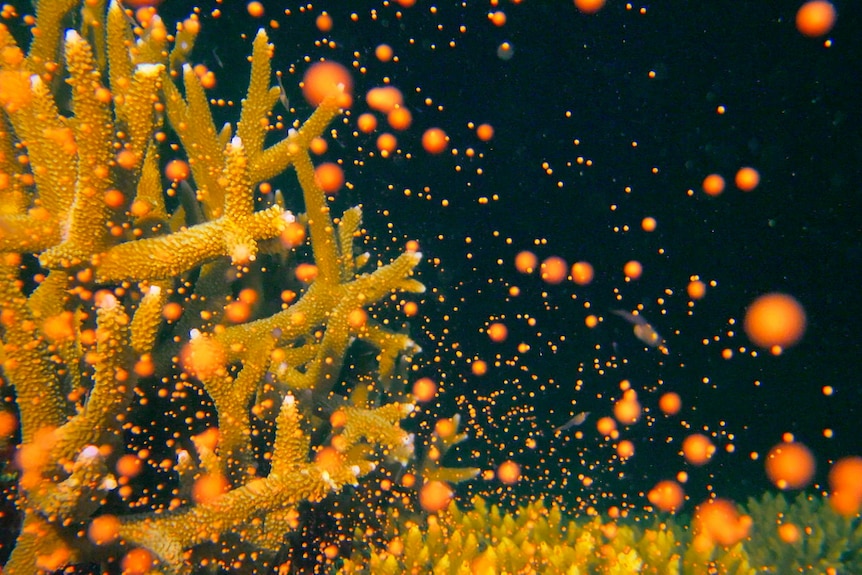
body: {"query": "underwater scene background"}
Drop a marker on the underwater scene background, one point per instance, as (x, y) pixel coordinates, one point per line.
(600, 122)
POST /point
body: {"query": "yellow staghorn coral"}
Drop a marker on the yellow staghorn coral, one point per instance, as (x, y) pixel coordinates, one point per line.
(107, 294)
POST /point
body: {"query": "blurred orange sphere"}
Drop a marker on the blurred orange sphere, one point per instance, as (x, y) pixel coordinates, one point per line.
(697, 449)
(775, 319)
(815, 18)
(435, 496)
(667, 495)
(328, 78)
(790, 466)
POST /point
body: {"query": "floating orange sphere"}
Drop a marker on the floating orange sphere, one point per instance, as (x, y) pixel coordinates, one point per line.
(526, 262)
(435, 141)
(424, 389)
(670, 403)
(713, 185)
(633, 270)
(509, 472)
(386, 143)
(384, 52)
(399, 118)
(435, 496)
(790, 465)
(255, 9)
(589, 6)
(696, 289)
(747, 179)
(649, 224)
(775, 320)
(697, 449)
(327, 78)
(667, 495)
(815, 18)
(582, 273)
(104, 529)
(720, 520)
(628, 409)
(845, 485)
(498, 332)
(384, 98)
(324, 22)
(485, 132)
(177, 170)
(554, 270)
(329, 176)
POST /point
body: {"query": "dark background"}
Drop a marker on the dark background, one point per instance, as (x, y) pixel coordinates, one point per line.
(792, 112)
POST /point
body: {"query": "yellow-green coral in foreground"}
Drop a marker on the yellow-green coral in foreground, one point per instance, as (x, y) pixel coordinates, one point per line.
(540, 539)
(127, 294)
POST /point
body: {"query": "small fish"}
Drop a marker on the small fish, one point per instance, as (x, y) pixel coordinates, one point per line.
(573, 422)
(643, 330)
(282, 93)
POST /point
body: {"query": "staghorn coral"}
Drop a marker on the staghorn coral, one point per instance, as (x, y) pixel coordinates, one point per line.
(95, 260)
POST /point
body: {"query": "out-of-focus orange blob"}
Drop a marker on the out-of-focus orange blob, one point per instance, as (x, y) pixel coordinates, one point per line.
(670, 403)
(435, 141)
(293, 234)
(606, 426)
(399, 118)
(386, 143)
(526, 262)
(306, 272)
(628, 409)
(633, 270)
(713, 185)
(790, 465)
(589, 6)
(137, 561)
(384, 52)
(485, 132)
(424, 389)
(720, 520)
(583, 273)
(384, 98)
(625, 449)
(845, 485)
(255, 9)
(209, 487)
(696, 289)
(649, 224)
(554, 270)
(366, 123)
(815, 18)
(789, 533)
(479, 367)
(328, 78)
(104, 530)
(435, 496)
(498, 332)
(747, 179)
(697, 449)
(775, 319)
(177, 170)
(324, 22)
(667, 495)
(509, 472)
(329, 176)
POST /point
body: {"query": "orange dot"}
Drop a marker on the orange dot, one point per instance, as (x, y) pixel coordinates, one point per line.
(366, 123)
(424, 389)
(435, 140)
(327, 78)
(815, 18)
(633, 269)
(384, 52)
(386, 143)
(775, 319)
(591, 321)
(103, 530)
(554, 270)
(329, 176)
(435, 496)
(747, 179)
(649, 224)
(445, 428)
(324, 22)
(479, 367)
(582, 273)
(670, 403)
(720, 521)
(667, 495)
(138, 561)
(696, 289)
(485, 132)
(526, 262)
(845, 484)
(399, 118)
(255, 9)
(384, 98)
(306, 272)
(713, 185)
(790, 465)
(589, 6)
(697, 449)
(497, 332)
(177, 170)
(410, 309)
(509, 472)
